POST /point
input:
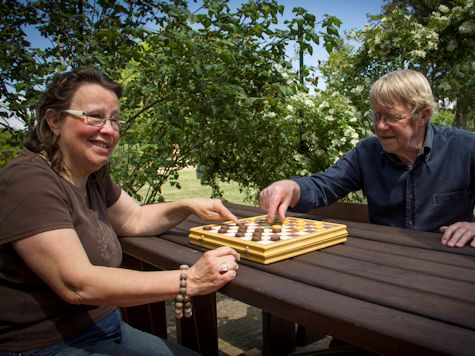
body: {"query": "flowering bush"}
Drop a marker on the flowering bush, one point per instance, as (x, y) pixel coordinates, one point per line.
(327, 126)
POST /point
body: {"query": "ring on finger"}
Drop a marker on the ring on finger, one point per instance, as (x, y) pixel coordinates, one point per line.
(223, 268)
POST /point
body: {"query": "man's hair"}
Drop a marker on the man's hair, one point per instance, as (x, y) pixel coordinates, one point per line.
(406, 86)
(58, 96)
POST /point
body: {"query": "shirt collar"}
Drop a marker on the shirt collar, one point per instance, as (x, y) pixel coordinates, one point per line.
(428, 141)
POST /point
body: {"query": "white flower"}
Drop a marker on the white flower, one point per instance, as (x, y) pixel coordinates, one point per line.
(418, 53)
(323, 105)
(443, 9)
(431, 45)
(309, 103)
(357, 90)
(467, 27)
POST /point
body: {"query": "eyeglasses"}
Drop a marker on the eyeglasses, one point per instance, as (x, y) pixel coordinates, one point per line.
(388, 118)
(96, 119)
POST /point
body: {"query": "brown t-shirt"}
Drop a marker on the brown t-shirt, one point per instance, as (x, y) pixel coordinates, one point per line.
(35, 199)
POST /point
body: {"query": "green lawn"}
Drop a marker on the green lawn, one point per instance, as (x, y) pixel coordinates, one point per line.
(191, 187)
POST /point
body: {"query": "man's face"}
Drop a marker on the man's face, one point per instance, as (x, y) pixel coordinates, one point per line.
(399, 131)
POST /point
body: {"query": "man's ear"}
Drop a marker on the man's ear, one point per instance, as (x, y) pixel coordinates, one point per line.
(53, 120)
(425, 116)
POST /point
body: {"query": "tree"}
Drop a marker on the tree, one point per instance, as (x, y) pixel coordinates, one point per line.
(442, 46)
(204, 88)
(102, 34)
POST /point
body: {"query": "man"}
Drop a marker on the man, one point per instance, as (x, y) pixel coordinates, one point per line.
(413, 174)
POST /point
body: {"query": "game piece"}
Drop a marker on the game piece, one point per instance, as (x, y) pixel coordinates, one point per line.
(257, 240)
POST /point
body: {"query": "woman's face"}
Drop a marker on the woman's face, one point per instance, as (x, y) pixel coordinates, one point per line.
(87, 148)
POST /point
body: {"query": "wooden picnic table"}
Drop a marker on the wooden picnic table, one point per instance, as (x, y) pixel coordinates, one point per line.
(387, 290)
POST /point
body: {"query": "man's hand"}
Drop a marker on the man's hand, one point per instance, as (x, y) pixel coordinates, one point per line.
(458, 234)
(277, 197)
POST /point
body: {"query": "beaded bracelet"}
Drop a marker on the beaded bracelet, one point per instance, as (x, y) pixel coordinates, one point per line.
(182, 300)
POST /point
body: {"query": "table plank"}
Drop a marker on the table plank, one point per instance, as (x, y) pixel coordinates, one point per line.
(402, 237)
(445, 257)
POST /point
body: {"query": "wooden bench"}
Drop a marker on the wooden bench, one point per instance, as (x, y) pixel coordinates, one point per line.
(345, 211)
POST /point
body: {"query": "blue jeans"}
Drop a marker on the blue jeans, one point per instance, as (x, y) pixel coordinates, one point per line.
(110, 336)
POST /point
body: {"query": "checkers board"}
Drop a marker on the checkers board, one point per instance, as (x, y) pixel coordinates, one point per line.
(257, 240)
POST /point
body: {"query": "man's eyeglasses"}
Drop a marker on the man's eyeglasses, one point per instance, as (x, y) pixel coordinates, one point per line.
(96, 119)
(387, 118)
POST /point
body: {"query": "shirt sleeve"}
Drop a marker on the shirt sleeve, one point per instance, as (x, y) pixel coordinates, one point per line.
(322, 189)
(33, 201)
(112, 191)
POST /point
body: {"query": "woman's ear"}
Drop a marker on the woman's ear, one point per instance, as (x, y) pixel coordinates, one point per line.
(53, 120)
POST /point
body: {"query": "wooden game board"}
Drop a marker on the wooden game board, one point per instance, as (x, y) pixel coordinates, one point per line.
(278, 241)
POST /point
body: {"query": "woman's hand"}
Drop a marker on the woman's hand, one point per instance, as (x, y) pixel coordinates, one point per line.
(212, 271)
(458, 234)
(210, 209)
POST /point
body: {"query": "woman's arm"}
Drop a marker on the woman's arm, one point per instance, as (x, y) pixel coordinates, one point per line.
(128, 218)
(59, 259)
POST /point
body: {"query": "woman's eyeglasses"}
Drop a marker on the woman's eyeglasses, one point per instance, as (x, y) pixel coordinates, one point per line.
(96, 119)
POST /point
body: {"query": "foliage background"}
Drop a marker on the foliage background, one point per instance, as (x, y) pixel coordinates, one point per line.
(215, 88)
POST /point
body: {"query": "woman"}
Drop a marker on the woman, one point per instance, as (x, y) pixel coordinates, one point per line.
(60, 281)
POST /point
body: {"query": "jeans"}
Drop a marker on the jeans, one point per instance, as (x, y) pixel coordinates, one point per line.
(110, 336)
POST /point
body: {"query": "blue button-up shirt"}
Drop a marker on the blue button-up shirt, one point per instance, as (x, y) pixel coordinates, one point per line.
(438, 189)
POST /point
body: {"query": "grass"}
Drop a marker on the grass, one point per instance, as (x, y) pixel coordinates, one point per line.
(191, 188)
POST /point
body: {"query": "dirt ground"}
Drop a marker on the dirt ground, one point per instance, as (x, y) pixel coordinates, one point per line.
(240, 330)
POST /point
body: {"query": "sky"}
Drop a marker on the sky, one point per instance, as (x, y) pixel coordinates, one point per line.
(352, 13)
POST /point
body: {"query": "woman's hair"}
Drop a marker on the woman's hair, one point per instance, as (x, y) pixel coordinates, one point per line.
(58, 96)
(406, 86)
